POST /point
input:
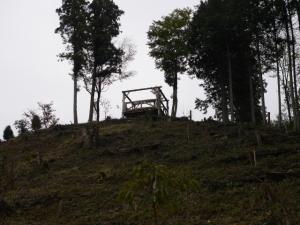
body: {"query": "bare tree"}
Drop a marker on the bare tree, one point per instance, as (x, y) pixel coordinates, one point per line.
(104, 79)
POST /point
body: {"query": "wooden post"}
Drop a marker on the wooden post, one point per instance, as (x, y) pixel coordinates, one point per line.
(158, 103)
(254, 157)
(191, 117)
(123, 105)
(269, 118)
(168, 108)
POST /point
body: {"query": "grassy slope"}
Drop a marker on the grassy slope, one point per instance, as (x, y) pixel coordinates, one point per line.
(78, 185)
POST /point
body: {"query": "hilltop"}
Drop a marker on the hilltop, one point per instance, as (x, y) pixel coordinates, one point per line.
(55, 177)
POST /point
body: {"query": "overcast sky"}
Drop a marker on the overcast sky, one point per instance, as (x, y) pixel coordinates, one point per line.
(30, 71)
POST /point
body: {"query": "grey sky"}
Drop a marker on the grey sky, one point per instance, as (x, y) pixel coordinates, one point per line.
(30, 70)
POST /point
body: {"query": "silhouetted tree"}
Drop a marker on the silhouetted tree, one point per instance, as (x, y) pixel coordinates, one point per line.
(8, 133)
(168, 46)
(231, 47)
(36, 123)
(22, 126)
(104, 57)
(46, 114)
(103, 82)
(48, 118)
(73, 30)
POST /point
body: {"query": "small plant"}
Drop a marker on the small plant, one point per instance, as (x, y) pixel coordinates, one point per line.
(156, 186)
(8, 133)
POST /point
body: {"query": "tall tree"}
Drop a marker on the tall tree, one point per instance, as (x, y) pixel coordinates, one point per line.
(276, 32)
(105, 57)
(293, 44)
(168, 46)
(286, 21)
(73, 30)
(229, 47)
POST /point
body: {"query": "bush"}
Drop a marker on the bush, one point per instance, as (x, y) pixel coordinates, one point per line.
(21, 126)
(36, 123)
(8, 133)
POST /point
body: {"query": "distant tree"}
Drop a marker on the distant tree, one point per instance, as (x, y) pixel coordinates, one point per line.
(73, 30)
(48, 118)
(105, 58)
(8, 133)
(168, 46)
(46, 115)
(36, 123)
(22, 126)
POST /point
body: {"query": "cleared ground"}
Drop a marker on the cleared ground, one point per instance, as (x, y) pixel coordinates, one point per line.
(55, 177)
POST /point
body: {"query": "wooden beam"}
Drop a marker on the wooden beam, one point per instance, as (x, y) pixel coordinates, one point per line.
(143, 101)
(142, 89)
(163, 95)
(124, 106)
(127, 97)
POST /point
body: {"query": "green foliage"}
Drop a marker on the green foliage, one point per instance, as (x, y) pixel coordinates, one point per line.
(104, 16)
(8, 133)
(36, 123)
(167, 42)
(168, 46)
(72, 28)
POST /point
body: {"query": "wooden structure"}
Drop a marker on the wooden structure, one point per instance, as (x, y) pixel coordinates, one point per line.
(158, 106)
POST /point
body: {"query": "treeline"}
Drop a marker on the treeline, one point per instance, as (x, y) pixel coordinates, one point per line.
(231, 45)
(33, 120)
(89, 31)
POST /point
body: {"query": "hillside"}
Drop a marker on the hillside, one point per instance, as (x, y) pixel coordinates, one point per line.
(78, 185)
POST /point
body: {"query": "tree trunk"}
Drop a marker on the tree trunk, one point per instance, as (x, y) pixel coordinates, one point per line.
(293, 42)
(91, 114)
(279, 92)
(262, 86)
(175, 98)
(231, 105)
(252, 105)
(287, 96)
(298, 12)
(75, 114)
(275, 36)
(224, 104)
(98, 99)
(288, 40)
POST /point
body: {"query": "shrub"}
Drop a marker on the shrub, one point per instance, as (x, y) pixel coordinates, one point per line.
(8, 133)
(21, 126)
(36, 123)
